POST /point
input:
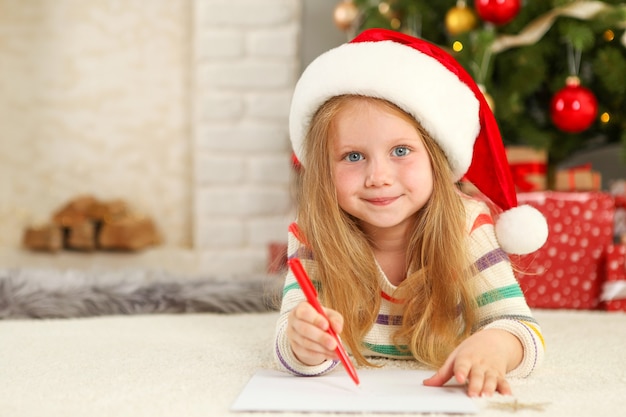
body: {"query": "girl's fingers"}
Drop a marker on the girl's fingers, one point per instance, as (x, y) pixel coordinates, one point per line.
(490, 384)
(442, 376)
(475, 382)
(335, 318)
(503, 387)
(312, 337)
(305, 348)
(306, 313)
(308, 335)
(486, 383)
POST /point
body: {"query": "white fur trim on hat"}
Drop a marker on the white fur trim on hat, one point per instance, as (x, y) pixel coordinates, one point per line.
(412, 80)
(521, 230)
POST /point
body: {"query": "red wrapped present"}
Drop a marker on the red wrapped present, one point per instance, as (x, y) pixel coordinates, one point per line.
(277, 257)
(618, 189)
(614, 288)
(578, 178)
(528, 167)
(568, 271)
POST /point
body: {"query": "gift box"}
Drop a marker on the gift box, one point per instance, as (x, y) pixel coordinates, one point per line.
(528, 167)
(578, 178)
(568, 271)
(276, 257)
(618, 189)
(614, 287)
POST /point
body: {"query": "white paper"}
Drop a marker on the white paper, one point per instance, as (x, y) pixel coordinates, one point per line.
(380, 391)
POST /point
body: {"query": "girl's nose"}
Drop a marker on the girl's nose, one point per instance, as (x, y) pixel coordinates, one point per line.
(378, 173)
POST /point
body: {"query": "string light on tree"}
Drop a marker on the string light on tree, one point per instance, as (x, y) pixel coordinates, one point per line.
(574, 108)
(460, 19)
(385, 10)
(498, 12)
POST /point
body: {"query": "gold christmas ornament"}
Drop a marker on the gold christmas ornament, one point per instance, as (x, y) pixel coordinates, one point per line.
(345, 14)
(490, 101)
(460, 19)
(608, 35)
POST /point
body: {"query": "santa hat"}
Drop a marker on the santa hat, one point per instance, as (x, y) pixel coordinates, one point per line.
(428, 83)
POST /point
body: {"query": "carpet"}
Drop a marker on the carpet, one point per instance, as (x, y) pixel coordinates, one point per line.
(149, 343)
(55, 293)
(195, 365)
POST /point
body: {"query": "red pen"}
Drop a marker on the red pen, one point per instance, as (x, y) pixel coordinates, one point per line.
(311, 296)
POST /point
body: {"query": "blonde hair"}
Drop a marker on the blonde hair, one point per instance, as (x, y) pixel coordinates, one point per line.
(439, 308)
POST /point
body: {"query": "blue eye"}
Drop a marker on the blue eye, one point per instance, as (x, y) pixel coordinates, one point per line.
(353, 157)
(401, 151)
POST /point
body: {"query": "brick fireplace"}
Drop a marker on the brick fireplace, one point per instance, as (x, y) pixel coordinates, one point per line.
(179, 108)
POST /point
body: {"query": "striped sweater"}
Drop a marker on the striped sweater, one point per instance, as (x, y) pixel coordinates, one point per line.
(501, 303)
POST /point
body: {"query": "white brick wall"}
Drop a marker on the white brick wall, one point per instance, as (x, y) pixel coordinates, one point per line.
(245, 65)
(180, 108)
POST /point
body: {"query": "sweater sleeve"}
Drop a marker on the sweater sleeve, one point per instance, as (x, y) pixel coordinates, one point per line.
(292, 296)
(501, 302)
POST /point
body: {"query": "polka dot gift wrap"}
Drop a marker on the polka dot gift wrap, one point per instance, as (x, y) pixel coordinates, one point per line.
(569, 270)
(614, 288)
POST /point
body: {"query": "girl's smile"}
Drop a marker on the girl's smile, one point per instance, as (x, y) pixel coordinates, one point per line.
(381, 201)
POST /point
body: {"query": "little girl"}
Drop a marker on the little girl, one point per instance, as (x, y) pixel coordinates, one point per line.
(406, 266)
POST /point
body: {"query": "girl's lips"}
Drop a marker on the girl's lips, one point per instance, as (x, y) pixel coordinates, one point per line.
(381, 201)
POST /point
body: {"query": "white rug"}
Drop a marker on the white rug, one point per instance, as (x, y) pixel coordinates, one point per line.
(195, 365)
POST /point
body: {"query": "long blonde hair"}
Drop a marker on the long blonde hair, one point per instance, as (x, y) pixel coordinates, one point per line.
(439, 307)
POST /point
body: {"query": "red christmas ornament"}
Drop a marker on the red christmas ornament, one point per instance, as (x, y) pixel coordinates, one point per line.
(498, 12)
(573, 108)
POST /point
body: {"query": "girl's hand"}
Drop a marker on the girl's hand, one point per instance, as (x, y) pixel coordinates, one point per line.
(481, 362)
(308, 336)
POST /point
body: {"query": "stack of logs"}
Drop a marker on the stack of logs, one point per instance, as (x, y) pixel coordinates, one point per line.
(87, 224)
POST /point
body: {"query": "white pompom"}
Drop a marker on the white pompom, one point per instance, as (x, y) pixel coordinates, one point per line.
(521, 230)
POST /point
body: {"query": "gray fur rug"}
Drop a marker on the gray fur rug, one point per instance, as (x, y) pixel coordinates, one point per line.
(50, 293)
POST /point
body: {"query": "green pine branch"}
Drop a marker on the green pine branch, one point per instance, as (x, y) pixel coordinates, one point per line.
(522, 80)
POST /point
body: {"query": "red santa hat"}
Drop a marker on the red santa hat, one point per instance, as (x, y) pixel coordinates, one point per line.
(428, 83)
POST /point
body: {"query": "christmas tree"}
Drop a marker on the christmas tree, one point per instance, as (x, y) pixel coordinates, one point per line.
(554, 71)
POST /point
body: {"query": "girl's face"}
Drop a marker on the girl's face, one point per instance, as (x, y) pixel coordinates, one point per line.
(382, 171)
